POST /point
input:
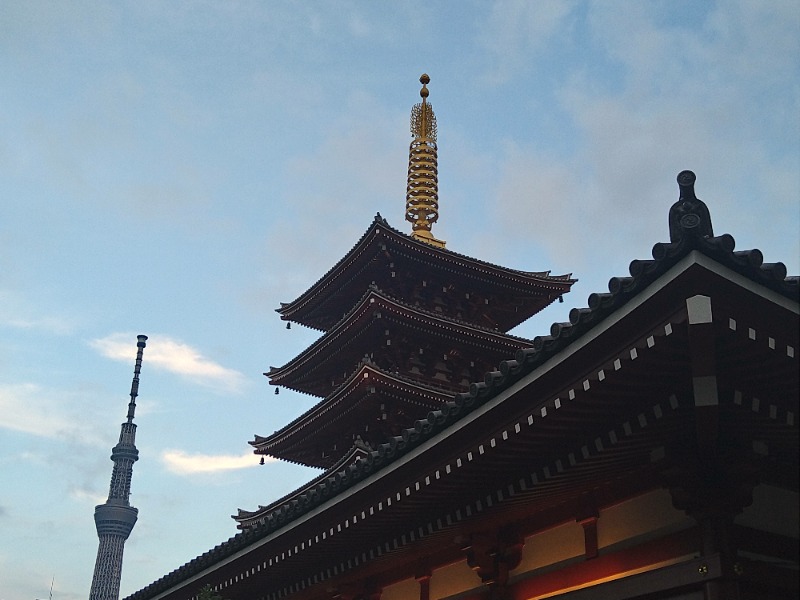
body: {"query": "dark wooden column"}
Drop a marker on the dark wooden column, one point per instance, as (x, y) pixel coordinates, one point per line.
(492, 556)
(703, 357)
(423, 576)
(711, 481)
(587, 515)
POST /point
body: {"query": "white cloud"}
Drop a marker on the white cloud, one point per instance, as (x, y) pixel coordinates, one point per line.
(183, 463)
(174, 356)
(25, 407)
(87, 496)
(684, 100)
(52, 324)
(16, 312)
(47, 413)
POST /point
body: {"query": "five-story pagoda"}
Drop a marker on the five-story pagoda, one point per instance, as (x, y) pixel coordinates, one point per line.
(406, 324)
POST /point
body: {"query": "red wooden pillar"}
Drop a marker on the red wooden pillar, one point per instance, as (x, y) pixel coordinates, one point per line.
(587, 515)
(424, 580)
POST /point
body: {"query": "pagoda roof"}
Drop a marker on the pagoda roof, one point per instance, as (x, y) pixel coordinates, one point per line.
(369, 261)
(605, 397)
(356, 452)
(295, 441)
(309, 372)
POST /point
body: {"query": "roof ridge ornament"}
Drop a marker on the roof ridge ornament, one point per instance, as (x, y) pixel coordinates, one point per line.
(422, 189)
(689, 216)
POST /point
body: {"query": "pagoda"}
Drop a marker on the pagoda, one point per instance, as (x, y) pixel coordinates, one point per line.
(406, 325)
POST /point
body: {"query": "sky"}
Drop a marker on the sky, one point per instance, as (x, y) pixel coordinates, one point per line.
(178, 169)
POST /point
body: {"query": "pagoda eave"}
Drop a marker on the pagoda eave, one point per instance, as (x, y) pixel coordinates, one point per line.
(378, 256)
(388, 322)
(370, 397)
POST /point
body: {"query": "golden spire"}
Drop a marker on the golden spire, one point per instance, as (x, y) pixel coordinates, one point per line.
(422, 190)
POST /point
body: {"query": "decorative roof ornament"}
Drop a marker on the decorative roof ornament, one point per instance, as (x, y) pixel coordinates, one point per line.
(422, 189)
(689, 216)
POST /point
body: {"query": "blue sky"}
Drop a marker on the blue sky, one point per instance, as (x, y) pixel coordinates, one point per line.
(178, 169)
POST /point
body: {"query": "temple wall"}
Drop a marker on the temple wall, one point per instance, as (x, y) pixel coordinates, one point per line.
(773, 510)
(622, 525)
(445, 582)
(407, 589)
(453, 579)
(639, 518)
(555, 545)
(627, 523)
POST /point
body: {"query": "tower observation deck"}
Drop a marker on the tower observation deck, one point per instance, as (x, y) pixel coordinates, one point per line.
(115, 519)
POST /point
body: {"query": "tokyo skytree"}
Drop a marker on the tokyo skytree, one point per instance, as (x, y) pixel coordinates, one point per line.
(115, 519)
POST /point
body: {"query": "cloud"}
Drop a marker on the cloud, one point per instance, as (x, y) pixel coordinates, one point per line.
(369, 144)
(669, 106)
(50, 324)
(87, 496)
(183, 463)
(15, 312)
(515, 30)
(173, 356)
(55, 414)
(26, 407)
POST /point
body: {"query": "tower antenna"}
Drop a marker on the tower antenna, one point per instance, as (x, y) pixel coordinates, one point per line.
(115, 519)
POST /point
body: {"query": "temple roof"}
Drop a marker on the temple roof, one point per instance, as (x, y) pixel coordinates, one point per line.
(376, 259)
(576, 388)
(356, 452)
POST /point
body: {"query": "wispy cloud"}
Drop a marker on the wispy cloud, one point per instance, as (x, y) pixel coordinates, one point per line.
(516, 30)
(174, 356)
(45, 412)
(26, 407)
(184, 463)
(87, 496)
(16, 312)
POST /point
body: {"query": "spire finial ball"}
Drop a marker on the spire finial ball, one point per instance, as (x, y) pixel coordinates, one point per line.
(424, 80)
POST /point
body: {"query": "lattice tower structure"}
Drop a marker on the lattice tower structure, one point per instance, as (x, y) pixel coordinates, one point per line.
(114, 520)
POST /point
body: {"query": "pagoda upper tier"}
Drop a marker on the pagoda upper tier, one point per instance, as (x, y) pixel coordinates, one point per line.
(460, 287)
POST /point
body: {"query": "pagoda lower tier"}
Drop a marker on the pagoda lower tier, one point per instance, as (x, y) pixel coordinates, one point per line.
(427, 356)
(370, 407)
